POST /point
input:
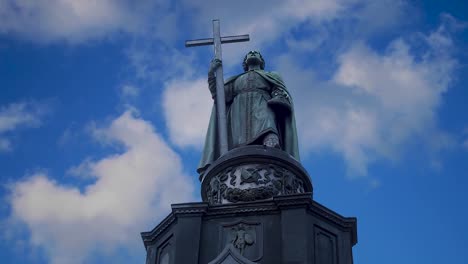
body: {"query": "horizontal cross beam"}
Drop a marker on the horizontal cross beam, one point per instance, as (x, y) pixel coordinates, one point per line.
(210, 41)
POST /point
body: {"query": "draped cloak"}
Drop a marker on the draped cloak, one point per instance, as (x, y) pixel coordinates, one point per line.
(239, 111)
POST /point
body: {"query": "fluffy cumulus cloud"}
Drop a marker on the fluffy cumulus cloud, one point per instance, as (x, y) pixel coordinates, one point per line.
(73, 21)
(16, 116)
(131, 191)
(187, 107)
(375, 101)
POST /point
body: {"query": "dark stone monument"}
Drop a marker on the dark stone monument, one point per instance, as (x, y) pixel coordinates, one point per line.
(257, 198)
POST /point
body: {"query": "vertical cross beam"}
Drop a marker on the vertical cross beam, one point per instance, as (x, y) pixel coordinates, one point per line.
(220, 101)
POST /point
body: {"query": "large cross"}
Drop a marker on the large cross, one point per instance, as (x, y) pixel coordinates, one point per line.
(217, 40)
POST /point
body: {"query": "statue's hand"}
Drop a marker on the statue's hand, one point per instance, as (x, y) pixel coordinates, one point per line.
(215, 64)
(280, 101)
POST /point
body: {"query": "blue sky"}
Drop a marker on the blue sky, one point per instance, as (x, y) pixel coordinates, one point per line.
(103, 113)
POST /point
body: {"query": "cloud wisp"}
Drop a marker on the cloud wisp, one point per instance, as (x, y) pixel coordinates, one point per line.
(132, 189)
(16, 116)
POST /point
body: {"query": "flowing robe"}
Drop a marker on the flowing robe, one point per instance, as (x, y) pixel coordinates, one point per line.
(248, 115)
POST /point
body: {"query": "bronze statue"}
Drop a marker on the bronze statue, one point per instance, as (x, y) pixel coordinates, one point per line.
(259, 111)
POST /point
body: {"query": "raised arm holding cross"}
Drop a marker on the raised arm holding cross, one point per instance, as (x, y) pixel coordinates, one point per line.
(217, 40)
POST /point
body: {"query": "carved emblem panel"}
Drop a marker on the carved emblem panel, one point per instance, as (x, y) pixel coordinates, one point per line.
(251, 182)
(253, 173)
(245, 237)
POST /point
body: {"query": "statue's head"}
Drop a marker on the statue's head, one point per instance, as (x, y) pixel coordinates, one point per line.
(253, 55)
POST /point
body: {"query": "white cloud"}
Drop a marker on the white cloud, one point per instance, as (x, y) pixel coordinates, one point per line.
(187, 106)
(70, 134)
(82, 170)
(407, 89)
(376, 17)
(375, 102)
(170, 64)
(73, 21)
(132, 191)
(18, 115)
(465, 140)
(129, 91)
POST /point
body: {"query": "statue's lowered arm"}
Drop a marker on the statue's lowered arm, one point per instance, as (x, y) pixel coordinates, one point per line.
(280, 97)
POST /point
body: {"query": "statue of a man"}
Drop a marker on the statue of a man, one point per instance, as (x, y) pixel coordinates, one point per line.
(259, 111)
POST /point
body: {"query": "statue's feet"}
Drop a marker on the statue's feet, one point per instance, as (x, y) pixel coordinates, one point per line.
(271, 140)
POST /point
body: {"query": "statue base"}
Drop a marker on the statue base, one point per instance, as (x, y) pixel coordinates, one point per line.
(253, 173)
(285, 229)
(257, 208)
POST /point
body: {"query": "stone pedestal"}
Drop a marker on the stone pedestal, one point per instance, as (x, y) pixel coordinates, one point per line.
(257, 208)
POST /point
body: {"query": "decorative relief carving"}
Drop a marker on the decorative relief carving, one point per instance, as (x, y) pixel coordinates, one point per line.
(241, 237)
(250, 182)
(246, 238)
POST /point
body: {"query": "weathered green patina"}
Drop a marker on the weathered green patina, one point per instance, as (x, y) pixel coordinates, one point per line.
(257, 104)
